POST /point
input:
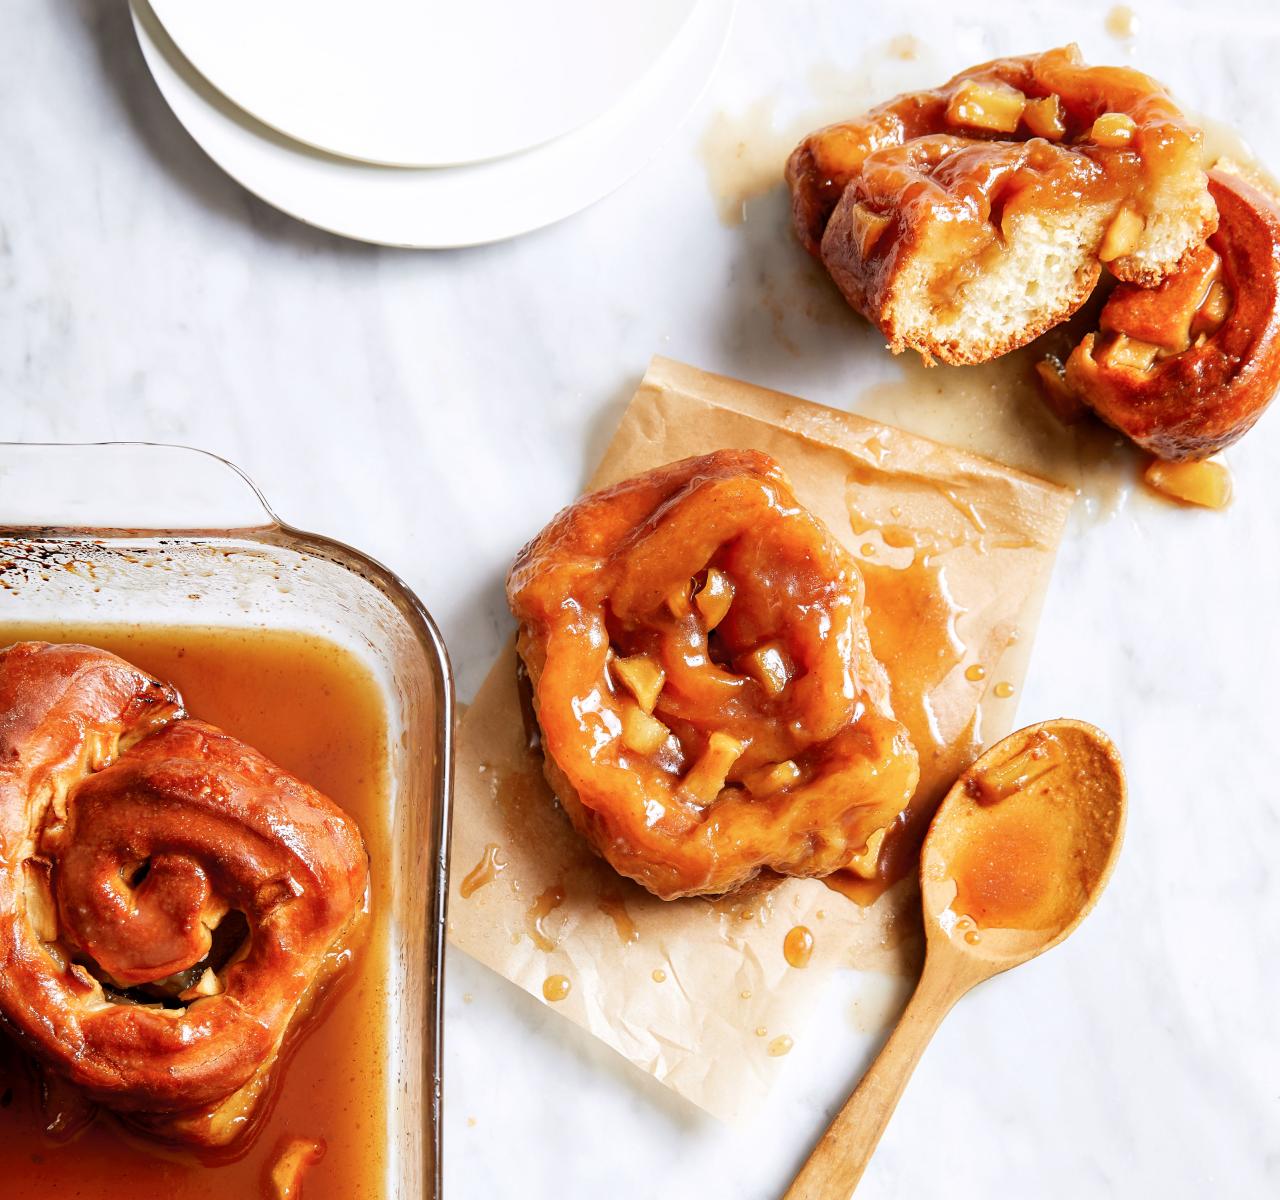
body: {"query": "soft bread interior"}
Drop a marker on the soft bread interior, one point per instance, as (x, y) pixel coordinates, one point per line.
(1036, 279)
(1180, 216)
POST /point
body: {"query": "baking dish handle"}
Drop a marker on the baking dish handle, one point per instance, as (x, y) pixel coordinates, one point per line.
(125, 485)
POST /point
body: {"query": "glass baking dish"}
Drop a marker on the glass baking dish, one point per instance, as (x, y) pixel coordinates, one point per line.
(166, 535)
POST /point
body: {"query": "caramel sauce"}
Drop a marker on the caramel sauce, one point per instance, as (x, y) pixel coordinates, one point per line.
(912, 623)
(659, 975)
(1023, 849)
(615, 909)
(1002, 690)
(997, 409)
(490, 866)
(311, 707)
(797, 947)
(542, 908)
(1006, 874)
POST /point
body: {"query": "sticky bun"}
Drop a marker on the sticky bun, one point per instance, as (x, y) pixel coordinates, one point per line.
(966, 220)
(709, 705)
(170, 900)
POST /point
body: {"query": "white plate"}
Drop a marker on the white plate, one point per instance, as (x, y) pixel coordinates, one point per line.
(423, 82)
(446, 206)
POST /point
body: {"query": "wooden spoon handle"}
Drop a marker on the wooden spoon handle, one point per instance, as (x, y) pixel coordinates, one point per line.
(840, 1157)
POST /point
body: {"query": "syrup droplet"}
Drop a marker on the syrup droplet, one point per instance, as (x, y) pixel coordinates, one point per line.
(488, 869)
(745, 994)
(1003, 690)
(762, 1032)
(976, 673)
(1122, 22)
(780, 1046)
(973, 937)
(542, 908)
(868, 549)
(797, 946)
(556, 987)
(659, 976)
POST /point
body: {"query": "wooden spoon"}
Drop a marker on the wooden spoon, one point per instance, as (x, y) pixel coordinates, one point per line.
(1016, 856)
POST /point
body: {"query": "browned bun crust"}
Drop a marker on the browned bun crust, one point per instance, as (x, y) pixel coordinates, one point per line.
(966, 220)
(699, 751)
(128, 833)
(1204, 389)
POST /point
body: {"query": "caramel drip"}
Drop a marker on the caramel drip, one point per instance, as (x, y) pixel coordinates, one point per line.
(613, 907)
(484, 872)
(911, 619)
(542, 908)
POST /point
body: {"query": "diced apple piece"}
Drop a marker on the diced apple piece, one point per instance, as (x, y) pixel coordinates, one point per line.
(707, 776)
(1113, 130)
(207, 985)
(1057, 393)
(868, 227)
(714, 598)
(1132, 353)
(865, 862)
(643, 676)
(1044, 118)
(769, 666)
(994, 106)
(42, 915)
(767, 780)
(1206, 483)
(641, 732)
(1122, 235)
(1042, 754)
(678, 599)
(1214, 310)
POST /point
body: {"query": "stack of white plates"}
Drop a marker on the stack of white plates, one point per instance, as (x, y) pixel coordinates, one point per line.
(428, 122)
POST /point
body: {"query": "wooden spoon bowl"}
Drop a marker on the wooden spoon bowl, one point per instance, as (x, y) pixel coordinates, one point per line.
(1016, 856)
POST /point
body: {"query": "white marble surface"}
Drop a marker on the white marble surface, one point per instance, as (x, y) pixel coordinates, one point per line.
(434, 408)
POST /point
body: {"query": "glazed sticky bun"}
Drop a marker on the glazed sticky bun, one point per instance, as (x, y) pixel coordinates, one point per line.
(966, 220)
(171, 902)
(710, 709)
(1186, 368)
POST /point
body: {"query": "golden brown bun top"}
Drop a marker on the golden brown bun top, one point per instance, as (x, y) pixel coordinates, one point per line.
(708, 700)
(1075, 96)
(1186, 368)
(128, 834)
